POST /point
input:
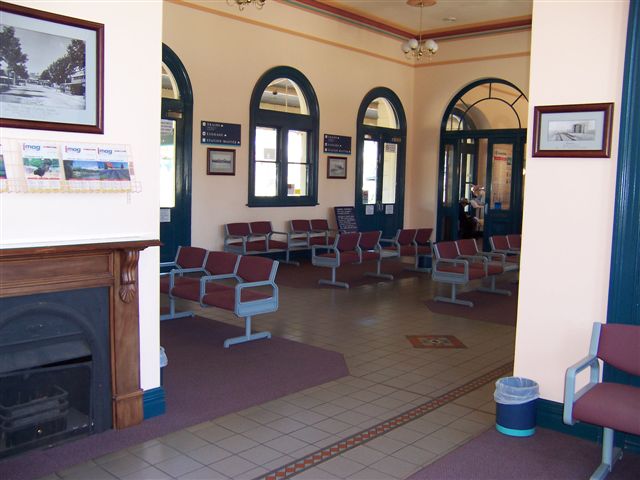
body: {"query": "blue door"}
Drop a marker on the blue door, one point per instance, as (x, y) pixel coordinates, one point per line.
(175, 156)
(380, 163)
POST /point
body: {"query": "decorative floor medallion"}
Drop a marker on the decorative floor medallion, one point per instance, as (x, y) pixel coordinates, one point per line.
(435, 341)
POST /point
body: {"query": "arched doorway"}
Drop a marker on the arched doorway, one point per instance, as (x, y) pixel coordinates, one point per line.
(482, 144)
(175, 156)
(380, 165)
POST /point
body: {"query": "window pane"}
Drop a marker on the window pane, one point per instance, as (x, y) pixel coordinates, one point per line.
(447, 180)
(501, 166)
(169, 86)
(266, 144)
(284, 95)
(266, 175)
(380, 113)
(167, 163)
(389, 173)
(369, 171)
(297, 170)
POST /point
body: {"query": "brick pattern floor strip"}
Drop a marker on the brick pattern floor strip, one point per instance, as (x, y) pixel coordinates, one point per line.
(360, 438)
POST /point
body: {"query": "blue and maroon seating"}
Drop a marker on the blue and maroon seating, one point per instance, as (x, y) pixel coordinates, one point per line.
(255, 238)
(242, 284)
(411, 242)
(344, 251)
(370, 250)
(495, 263)
(449, 268)
(613, 406)
(188, 261)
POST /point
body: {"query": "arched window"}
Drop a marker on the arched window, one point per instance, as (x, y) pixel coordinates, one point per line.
(283, 153)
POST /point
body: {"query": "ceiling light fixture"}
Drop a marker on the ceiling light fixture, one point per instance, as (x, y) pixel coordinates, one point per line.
(416, 48)
(242, 3)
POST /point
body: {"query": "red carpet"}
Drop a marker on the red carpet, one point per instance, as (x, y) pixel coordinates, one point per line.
(202, 381)
(307, 276)
(544, 456)
(487, 307)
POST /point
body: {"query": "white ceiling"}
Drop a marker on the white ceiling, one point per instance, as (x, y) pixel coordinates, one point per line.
(398, 14)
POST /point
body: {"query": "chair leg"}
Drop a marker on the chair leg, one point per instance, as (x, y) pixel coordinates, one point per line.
(378, 273)
(248, 336)
(333, 281)
(493, 289)
(172, 315)
(453, 299)
(610, 455)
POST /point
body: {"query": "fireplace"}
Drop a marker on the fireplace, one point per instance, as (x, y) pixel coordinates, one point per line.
(69, 342)
(54, 368)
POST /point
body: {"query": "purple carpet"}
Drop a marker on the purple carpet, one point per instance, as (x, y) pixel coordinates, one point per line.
(546, 455)
(202, 381)
(487, 307)
(306, 275)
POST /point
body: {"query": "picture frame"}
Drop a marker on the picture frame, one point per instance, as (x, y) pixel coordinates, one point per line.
(221, 161)
(56, 78)
(582, 130)
(337, 167)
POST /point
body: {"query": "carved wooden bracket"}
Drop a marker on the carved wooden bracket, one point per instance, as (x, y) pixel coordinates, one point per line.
(128, 274)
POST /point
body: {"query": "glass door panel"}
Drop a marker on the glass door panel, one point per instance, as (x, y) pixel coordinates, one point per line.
(167, 163)
(501, 170)
(266, 162)
(369, 172)
(297, 168)
(390, 161)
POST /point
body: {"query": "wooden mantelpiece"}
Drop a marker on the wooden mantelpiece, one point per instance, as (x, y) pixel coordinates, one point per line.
(31, 270)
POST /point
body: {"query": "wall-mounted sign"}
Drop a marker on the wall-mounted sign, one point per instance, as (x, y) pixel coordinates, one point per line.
(220, 133)
(337, 144)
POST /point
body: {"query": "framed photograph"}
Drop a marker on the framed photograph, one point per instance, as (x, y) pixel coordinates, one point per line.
(336, 167)
(221, 161)
(572, 130)
(51, 71)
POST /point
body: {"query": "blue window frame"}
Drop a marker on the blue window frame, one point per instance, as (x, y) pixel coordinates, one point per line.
(283, 148)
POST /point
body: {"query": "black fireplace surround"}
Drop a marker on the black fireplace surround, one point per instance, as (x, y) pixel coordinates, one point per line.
(54, 368)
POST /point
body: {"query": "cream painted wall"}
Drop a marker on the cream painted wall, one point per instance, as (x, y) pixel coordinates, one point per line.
(132, 109)
(563, 290)
(223, 79)
(502, 56)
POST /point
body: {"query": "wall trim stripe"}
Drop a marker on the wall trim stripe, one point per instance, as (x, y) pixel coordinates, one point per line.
(153, 402)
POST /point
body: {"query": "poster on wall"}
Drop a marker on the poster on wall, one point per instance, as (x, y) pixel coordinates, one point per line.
(41, 165)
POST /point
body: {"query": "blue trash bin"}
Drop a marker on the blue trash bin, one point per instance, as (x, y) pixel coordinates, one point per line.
(516, 399)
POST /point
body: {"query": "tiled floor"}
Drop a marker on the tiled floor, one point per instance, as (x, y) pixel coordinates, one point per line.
(389, 377)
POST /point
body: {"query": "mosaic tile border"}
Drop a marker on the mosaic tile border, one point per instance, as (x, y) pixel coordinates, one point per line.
(435, 341)
(360, 438)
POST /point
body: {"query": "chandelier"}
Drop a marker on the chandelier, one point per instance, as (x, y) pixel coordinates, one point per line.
(416, 48)
(242, 3)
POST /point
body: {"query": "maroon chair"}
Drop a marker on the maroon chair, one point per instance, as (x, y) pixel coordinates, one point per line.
(188, 261)
(238, 238)
(218, 266)
(321, 230)
(370, 250)
(500, 244)
(494, 263)
(613, 406)
(422, 241)
(449, 268)
(343, 251)
(514, 240)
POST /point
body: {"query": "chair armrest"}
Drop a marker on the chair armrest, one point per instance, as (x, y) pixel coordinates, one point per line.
(456, 261)
(180, 272)
(388, 240)
(570, 394)
(322, 247)
(167, 264)
(209, 278)
(243, 285)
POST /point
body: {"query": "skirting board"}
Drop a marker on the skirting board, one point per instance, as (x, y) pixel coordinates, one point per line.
(153, 402)
(549, 415)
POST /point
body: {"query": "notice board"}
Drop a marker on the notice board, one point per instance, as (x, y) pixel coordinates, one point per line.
(346, 219)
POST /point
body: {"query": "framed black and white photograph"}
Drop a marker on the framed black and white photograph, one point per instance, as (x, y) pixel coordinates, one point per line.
(572, 130)
(336, 167)
(221, 161)
(51, 71)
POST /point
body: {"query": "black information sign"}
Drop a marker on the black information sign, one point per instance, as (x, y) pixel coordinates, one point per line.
(337, 144)
(220, 133)
(346, 219)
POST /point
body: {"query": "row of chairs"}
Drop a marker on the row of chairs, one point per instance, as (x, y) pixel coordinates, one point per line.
(251, 238)
(458, 262)
(242, 284)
